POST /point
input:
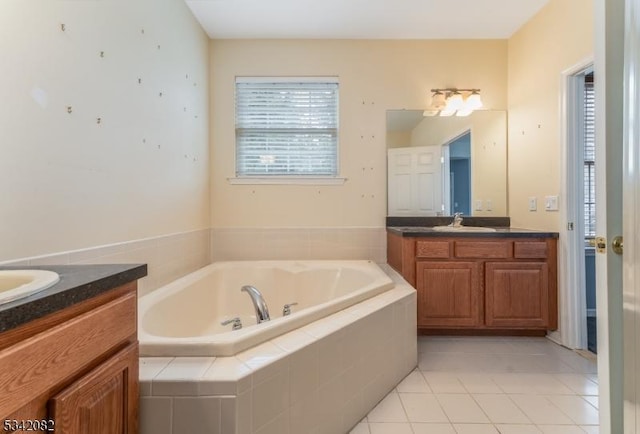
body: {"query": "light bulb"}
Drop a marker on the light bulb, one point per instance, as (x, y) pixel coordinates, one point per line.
(454, 102)
(473, 102)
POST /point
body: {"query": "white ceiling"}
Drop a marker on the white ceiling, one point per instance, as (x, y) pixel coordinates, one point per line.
(363, 19)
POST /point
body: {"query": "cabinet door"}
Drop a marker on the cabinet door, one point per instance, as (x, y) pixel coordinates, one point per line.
(517, 294)
(449, 294)
(105, 401)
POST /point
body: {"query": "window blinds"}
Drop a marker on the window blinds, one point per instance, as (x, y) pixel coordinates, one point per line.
(286, 128)
(589, 159)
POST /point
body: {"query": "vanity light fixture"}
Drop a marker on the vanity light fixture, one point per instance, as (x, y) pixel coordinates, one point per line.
(453, 101)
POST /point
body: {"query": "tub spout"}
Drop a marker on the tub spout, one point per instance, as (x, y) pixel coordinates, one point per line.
(262, 312)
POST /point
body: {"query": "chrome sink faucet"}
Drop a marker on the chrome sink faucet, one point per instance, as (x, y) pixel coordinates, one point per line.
(262, 311)
(457, 220)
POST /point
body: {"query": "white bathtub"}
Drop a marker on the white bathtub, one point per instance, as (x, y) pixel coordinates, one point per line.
(183, 318)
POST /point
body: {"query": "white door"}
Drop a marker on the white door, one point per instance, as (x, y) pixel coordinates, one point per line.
(414, 184)
(613, 379)
(631, 218)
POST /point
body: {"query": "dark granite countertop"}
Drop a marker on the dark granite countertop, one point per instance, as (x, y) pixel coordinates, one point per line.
(501, 232)
(77, 283)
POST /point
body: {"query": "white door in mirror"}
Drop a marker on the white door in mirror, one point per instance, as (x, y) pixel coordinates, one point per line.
(16, 284)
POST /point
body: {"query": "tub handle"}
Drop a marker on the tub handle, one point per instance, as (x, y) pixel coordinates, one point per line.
(286, 310)
(237, 324)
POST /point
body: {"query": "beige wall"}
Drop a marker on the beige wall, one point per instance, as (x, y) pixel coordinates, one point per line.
(67, 182)
(488, 153)
(398, 139)
(374, 76)
(557, 38)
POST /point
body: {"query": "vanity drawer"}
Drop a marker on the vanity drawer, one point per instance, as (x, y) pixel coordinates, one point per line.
(530, 249)
(433, 249)
(483, 249)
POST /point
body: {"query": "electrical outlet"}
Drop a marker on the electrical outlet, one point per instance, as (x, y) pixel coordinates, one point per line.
(478, 205)
(533, 203)
(488, 205)
(551, 203)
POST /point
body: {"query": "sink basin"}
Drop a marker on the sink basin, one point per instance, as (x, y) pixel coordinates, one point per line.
(462, 229)
(16, 284)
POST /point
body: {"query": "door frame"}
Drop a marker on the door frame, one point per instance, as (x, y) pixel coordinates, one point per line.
(571, 270)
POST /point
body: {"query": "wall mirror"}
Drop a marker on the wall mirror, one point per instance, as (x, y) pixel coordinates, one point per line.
(442, 165)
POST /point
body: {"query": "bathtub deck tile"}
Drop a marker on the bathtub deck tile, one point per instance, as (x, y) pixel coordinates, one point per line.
(226, 376)
(265, 361)
(181, 377)
(321, 329)
(150, 367)
(294, 340)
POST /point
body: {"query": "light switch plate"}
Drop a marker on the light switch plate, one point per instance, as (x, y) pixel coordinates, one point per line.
(551, 203)
(478, 205)
(533, 203)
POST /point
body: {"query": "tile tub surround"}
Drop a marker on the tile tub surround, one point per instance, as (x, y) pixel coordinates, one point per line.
(232, 244)
(168, 257)
(322, 378)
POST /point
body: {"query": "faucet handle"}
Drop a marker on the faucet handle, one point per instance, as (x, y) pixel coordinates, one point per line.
(286, 310)
(237, 323)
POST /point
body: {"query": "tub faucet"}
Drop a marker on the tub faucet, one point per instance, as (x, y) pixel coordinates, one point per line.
(457, 220)
(262, 312)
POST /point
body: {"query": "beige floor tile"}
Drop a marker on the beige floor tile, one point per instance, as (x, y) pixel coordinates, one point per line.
(517, 429)
(444, 382)
(475, 429)
(461, 408)
(593, 400)
(579, 410)
(433, 428)
(388, 410)
(578, 383)
(479, 383)
(500, 409)
(560, 429)
(541, 411)
(422, 407)
(414, 383)
(524, 383)
(390, 428)
(361, 428)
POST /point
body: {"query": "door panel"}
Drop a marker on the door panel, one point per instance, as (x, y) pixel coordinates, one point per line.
(449, 294)
(517, 294)
(105, 401)
(414, 181)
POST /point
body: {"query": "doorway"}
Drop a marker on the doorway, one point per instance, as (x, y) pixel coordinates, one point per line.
(589, 201)
(457, 174)
(578, 239)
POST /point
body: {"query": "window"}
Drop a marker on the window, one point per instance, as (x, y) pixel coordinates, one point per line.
(286, 127)
(589, 158)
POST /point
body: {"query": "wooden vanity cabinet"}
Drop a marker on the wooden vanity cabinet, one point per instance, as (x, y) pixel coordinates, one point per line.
(76, 369)
(449, 294)
(480, 284)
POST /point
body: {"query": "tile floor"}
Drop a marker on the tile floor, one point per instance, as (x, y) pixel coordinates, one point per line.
(490, 385)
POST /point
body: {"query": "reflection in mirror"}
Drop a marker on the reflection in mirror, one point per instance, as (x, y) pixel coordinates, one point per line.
(444, 165)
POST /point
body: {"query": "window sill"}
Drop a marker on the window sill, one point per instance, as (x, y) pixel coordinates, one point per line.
(287, 180)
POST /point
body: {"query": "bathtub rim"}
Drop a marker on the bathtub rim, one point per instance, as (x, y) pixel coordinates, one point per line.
(233, 342)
